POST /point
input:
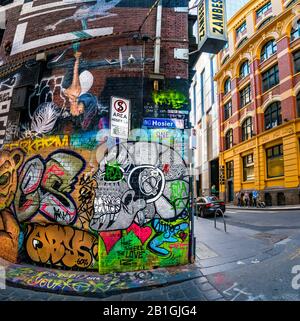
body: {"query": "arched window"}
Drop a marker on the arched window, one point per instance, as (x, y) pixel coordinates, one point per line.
(273, 116)
(227, 86)
(244, 69)
(268, 50)
(229, 139)
(298, 105)
(295, 33)
(247, 129)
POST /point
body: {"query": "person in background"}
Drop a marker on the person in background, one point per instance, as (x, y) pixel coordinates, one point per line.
(247, 199)
(238, 196)
(255, 196)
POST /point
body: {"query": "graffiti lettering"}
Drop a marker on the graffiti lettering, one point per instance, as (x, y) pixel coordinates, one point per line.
(45, 186)
(61, 245)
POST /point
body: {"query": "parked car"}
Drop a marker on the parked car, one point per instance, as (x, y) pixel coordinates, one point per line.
(208, 205)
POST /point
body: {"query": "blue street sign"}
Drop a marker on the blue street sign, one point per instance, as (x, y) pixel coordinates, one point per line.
(163, 123)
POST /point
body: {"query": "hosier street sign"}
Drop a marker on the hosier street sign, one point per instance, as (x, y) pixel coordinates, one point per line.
(212, 29)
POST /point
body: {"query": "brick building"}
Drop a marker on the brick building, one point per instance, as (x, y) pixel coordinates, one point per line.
(75, 195)
(258, 82)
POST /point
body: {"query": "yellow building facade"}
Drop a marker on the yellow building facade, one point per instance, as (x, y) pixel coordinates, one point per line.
(259, 103)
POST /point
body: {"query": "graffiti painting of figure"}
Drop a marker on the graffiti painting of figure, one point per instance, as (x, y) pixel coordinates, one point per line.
(135, 184)
(80, 109)
(9, 228)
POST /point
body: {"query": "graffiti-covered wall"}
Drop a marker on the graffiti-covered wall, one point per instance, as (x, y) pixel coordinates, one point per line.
(71, 195)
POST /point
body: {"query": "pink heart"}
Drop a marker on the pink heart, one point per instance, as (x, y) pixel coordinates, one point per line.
(143, 233)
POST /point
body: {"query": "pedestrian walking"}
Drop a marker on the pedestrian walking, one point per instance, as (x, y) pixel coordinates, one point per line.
(246, 196)
(238, 196)
(242, 199)
(255, 196)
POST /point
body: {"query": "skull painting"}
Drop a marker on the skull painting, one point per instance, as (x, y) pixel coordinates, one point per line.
(137, 188)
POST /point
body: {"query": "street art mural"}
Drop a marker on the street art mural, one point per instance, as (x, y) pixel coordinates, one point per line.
(55, 244)
(131, 213)
(9, 227)
(73, 197)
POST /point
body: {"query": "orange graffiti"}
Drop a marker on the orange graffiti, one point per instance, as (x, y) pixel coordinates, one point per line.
(61, 245)
(9, 228)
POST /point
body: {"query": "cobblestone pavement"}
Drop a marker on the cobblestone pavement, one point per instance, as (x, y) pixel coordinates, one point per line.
(193, 290)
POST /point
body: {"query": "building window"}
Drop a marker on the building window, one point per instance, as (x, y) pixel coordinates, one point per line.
(248, 167)
(242, 42)
(295, 33)
(275, 163)
(261, 11)
(227, 86)
(202, 91)
(229, 170)
(266, 21)
(240, 30)
(269, 49)
(227, 110)
(247, 129)
(244, 69)
(298, 105)
(229, 139)
(296, 56)
(212, 74)
(273, 116)
(245, 96)
(270, 78)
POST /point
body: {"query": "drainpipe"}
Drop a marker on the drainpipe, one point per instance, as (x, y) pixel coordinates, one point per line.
(158, 38)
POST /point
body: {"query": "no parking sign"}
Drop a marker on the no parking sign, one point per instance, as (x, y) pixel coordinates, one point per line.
(119, 117)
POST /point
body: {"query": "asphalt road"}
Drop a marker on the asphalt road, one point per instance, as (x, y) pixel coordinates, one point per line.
(272, 275)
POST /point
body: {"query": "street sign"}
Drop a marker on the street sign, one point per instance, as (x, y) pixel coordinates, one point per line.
(163, 123)
(119, 117)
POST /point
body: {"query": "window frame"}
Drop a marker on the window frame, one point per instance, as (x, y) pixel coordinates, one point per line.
(229, 139)
(245, 96)
(246, 166)
(294, 31)
(263, 9)
(247, 123)
(274, 108)
(227, 108)
(243, 66)
(268, 75)
(227, 83)
(278, 147)
(264, 55)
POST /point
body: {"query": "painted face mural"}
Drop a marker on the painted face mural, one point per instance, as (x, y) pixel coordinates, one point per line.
(9, 227)
(9, 164)
(135, 183)
(45, 186)
(61, 245)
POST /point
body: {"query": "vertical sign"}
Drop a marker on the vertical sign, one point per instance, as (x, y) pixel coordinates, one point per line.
(119, 117)
(212, 30)
(5, 101)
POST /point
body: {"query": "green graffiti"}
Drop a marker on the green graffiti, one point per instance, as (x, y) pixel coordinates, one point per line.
(113, 172)
(171, 98)
(178, 193)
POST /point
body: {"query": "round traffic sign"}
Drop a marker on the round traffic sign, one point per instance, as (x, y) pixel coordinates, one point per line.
(120, 106)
